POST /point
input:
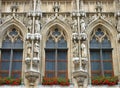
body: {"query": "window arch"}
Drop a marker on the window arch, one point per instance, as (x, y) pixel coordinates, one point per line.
(101, 54)
(11, 54)
(56, 54)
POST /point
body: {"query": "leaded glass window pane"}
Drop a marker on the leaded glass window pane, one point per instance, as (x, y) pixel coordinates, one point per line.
(50, 54)
(16, 75)
(101, 54)
(50, 65)
(11, 54)
(5, 55)
(50, 43)
(62, 43)
(4, 74)
(95, 66)
(107, 65)
(62, 65)
(107, 55)
(5, 65)
(50, 74)
(106, 43)
(62, 55)
(16, 65)
(17, 55)
(94, 43)
(56, 54)
(95, 55)
(18, 43)
(61, 75)
(7, 43)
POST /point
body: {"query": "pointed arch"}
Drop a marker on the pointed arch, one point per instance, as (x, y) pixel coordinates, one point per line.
(16, 32)
(104, 24)
(13, 22)
(62, 26)
(112, 35)
(56, 23)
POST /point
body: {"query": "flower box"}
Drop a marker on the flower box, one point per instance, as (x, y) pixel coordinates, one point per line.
(110, 81)
(56, 81)
(10, 81)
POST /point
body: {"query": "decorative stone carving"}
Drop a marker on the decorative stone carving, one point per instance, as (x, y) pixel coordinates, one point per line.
(36, 60)
(80, 77)
(118, 25)
(92, 18)
(56, 8)
(29, 46)
(32, 76)
(83, 36)
(37, 26)
(36, 63)
(84, 64)
(98, 7)
(76, 60)
(28, 36)
(118, 37)
(38, 5)
(74, 25)
(75, 36)
(27, 60)
(36, 49)
(75, 49)
(82, 25)
(29, 25)
(38, 36)
(83, 51)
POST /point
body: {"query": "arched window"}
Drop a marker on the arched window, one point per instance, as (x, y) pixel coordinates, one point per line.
(56, 54)
(101, 54)
(11, 54)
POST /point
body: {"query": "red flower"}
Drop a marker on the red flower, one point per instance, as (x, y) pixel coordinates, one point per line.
(55, 81)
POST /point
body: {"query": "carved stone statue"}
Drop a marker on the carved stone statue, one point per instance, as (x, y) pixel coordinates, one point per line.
(74, 25)
(83, 51)
(36, 49)
(29, 25)
(118, 25)
(82, 25)
(29, 46)
(75, 49)
(37, 26)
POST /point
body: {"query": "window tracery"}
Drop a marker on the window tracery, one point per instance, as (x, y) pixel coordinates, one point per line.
(56, 54)
(11, 54)
(101, 53)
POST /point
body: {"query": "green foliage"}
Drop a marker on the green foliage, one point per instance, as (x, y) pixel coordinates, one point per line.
(10, 81)
(56, 81)
(104, 80)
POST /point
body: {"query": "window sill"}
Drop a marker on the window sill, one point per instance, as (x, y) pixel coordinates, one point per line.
(12, 86)
(103, 86)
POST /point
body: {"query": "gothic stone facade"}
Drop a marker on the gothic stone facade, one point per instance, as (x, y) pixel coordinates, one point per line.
(74, 39)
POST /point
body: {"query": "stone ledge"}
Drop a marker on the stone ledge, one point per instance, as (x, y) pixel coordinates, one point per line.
(41, 86)
(116, 86)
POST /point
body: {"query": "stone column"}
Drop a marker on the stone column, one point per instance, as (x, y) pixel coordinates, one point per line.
(0, 7)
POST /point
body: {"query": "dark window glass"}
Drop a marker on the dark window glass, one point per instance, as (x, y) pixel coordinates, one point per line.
(101, 55)
(50, 43)
(95, 66)
(50, 65)
(56, 55)
(11, 55)
(94, 43)
(7, 43)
